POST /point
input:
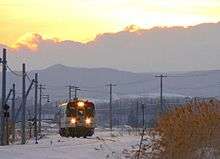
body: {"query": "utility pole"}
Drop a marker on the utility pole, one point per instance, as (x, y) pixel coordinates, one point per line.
(35, 106)
(143, 120)
(4, 69)
(46, 97)
(160, 110)
(142, 134)
(70, 93)
(41, 87)
(76, 89)
(23, 135)
(137, 121)
(26, 95)
(110, 104)
(58, 114)
(6, 115)
(13, 113)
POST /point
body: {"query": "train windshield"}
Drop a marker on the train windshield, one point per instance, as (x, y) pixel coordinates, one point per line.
(81, 112)
(70, 111)
(90, 110)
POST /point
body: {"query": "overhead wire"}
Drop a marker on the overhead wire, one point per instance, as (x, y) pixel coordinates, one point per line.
(28, 77)
(187, 75)
(13, 72)
(134, 82)
(199, 87)
(121, 83)
(19, 75)
(95, 91)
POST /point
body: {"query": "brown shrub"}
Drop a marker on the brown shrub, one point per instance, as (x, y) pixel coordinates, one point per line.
(190, 132)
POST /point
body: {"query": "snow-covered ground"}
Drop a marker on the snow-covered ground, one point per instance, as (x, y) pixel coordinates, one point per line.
(100, 146)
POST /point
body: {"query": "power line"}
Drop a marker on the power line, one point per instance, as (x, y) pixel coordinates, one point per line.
(151, 80)
(95, 91)
(28, 77)
(90, 87)
(199, 87)
(13, 72)
(52, 87)
(19, 75)
(187, 75)
(137, 93)
(145, 80)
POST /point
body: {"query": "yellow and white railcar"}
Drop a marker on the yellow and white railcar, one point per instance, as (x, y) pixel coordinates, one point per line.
(77, 119)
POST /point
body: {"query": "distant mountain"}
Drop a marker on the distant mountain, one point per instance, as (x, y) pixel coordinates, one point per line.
(92, 82)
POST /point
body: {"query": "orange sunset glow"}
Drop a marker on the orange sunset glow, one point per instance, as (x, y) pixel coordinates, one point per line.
(82, 20)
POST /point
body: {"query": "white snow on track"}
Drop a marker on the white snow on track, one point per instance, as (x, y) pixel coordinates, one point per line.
(102, 145)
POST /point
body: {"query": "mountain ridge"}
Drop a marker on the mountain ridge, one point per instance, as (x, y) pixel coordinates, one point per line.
(93, 82)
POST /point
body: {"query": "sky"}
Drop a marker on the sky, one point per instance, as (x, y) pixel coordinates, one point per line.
(132, 35)
(83, 20)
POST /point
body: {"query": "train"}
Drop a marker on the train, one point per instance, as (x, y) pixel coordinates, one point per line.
(77, 119)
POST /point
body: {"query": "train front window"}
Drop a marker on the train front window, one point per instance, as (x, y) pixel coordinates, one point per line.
(90, 112)
(81, 112)
(70, 111)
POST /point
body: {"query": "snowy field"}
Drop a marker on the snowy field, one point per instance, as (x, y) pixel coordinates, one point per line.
(100, 146)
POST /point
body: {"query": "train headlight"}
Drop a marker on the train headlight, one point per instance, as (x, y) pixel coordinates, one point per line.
(73, 121)
(88, 120)
(80, 104)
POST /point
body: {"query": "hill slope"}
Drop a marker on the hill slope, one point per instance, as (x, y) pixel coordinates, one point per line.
(92, 82)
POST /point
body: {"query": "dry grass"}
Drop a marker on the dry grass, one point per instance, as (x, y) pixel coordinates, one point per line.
(189, 132)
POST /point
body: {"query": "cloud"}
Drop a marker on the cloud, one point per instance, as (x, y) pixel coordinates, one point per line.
(134, 49)
(30, 41)
(132, 28)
